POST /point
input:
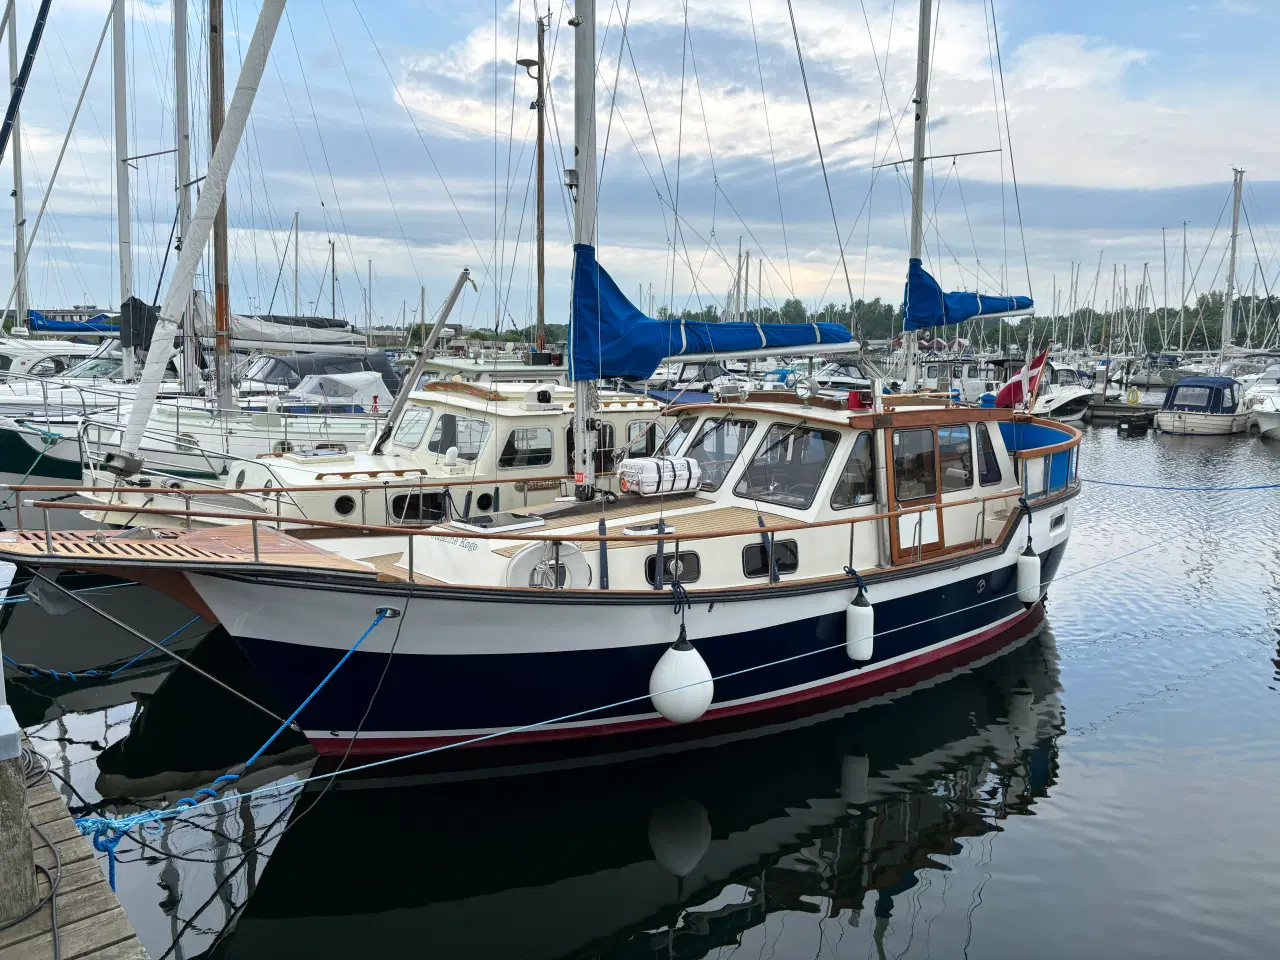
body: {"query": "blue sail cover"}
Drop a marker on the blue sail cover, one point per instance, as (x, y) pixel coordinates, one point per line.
(609, 337)
(925, 305)
(39, 323)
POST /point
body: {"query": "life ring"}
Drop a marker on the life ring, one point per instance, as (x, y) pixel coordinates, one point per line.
(1132, 396)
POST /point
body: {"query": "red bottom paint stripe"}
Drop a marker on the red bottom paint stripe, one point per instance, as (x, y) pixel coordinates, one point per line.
(871, 682)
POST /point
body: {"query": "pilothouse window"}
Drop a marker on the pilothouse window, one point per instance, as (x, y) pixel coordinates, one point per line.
(717, 446)
(914, 466)
(955, 455)
(789, 465)
(988, 462)
(526, 447)
(856, 484)
(466, 433)
(412, 427)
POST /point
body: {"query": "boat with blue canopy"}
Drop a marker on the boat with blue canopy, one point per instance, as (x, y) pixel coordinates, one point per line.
(1203, 406)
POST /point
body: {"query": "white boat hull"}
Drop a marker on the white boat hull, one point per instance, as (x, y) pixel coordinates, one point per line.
(1187, 424)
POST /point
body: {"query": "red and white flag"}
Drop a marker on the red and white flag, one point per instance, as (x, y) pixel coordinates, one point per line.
(1023, 384)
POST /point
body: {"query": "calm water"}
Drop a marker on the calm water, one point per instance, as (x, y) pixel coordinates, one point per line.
(1106, 788)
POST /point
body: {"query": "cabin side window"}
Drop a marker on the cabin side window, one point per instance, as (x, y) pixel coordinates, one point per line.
(468, 434)
(955, 458)
(789, 465)
(755, 558)
(856, 484)
(412, 427)
(931, 371)
(988, 462)
(717, 446)
(526, 447)
(915, 468)
(676, 437)
(644, 437)
(1196, 397)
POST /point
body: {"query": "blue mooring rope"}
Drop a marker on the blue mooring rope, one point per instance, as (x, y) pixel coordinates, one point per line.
(1150, 486)
(108, 832)
(94, 672)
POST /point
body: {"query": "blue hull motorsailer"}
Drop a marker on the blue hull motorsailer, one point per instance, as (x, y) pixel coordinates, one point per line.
(801, 551)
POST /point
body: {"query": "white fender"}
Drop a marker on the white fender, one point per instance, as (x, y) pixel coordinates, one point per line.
(860, 627)
(680, 686)
(1028, 576)
(680, 835)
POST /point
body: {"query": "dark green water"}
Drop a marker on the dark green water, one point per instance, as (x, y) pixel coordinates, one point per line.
(1106, 788)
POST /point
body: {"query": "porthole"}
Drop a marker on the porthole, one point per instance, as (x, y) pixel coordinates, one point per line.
(187, 442)
(345, 505)
(282, 446)
(484, 502)
(239, 479)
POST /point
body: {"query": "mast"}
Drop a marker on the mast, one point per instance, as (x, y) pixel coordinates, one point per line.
(1237, 187)
(1164, 293)
(1182, 307)
(540, 334)
(297, 311)
(917, 172)
(182, 143)
(737, 283)
(368, 301)
(584, 224)
(19, 215)
(127, 461)
(333, 281)
(123, 216)
(221, 280)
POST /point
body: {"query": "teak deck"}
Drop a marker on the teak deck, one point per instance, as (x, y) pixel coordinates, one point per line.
(91, 923)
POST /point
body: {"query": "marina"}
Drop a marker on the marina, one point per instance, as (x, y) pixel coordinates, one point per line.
(579, 587)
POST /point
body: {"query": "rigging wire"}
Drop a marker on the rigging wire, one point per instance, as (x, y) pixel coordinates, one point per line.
(768, 129)
(853, 318)
(1008, 139)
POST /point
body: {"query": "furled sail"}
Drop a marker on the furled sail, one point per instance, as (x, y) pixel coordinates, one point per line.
(925, 305)
(609, 337)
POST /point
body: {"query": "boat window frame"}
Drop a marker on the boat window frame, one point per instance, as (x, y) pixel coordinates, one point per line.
(764, 558)
(511, 434)
(791, 431)
(415, 410)
(942, 475)
(979, 454)
(864, 499)
(933, 454)
(486, 432)
(718, 423)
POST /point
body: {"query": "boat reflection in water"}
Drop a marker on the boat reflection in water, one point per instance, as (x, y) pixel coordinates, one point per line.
(669, 855)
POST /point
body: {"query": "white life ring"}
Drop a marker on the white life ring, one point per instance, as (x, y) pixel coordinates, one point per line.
(532, 567)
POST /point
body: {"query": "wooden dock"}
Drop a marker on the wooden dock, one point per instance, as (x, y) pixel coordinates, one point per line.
(91, 923)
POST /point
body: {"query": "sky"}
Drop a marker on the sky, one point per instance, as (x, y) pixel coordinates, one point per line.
(401, 131)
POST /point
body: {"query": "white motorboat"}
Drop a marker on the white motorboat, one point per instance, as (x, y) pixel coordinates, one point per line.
(1203, 406)
(1265, 414)
(1063, 396)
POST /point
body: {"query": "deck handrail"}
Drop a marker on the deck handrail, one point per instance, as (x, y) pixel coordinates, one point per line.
(442, 532)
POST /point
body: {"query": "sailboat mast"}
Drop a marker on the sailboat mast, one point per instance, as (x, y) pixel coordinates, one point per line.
(917, 170)
(127, 460)
(221, 280)
(540, 337)
(1237, 188)
(182, 143)
(297, 310)
(19, 215)
(584, 224)
(123, 216)
(1182, 307)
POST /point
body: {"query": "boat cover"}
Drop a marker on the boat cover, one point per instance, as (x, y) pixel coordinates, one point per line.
(1202, 395)
(38, 323)
(610, 337)
(925, 305)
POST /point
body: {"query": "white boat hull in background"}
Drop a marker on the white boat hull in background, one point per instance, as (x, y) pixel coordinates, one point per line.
(1187, 424)
(1268, 422)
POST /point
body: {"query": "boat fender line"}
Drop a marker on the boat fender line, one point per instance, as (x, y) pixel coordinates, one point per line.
(681, 686)
(107, 833)
(681, 600)
(860, 623)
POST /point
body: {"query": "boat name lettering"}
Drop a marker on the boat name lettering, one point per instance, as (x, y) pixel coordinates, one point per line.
(470, 546)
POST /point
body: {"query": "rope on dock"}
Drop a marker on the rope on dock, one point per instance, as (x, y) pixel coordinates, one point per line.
(101, 672)
(107, 832)
(1149, 486)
